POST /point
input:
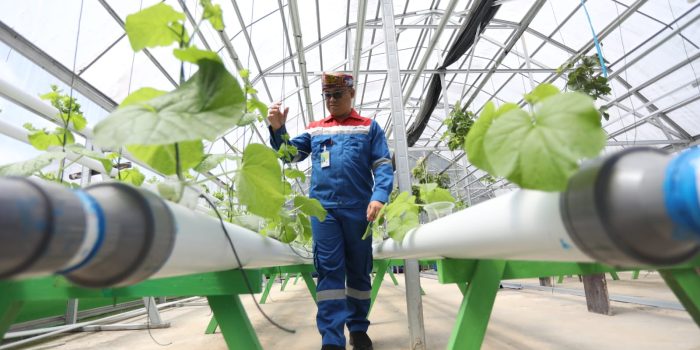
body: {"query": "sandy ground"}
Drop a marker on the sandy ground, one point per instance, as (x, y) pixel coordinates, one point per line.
(521, 319)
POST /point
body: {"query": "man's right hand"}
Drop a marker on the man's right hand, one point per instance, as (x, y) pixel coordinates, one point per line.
(275, 115)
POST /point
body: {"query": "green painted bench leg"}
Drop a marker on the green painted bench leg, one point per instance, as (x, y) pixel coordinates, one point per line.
(213, 325)
(268, 286)
(475, 311)
(381, 267)
(286, 279)
(560, 280)
(462, 287)
(235, 325)
(296, 278)
(635, 274)
(614, 275)
(393, 277)
(9, 310)
(685, 284)
(310, 284)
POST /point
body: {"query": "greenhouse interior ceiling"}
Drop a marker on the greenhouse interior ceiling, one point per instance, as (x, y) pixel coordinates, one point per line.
(450, 52)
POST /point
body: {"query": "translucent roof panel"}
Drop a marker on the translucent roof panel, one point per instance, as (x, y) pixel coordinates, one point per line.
(651, 51)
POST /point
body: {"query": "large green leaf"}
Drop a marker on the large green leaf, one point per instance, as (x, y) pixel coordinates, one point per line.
(541, 151)
(132, 176)
(80, 149)
(310, 207)
(206, 106)
(154, 26)
(29, 167)
(162, 157)
(541, 92)
(259, 183)
(305, 224)
(474, 143)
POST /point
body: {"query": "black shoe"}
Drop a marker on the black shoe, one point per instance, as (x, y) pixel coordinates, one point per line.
(332, 347)
(360, 341)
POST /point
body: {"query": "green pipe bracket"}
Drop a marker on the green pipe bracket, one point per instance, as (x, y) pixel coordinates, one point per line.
(479, 282)
(222, 289)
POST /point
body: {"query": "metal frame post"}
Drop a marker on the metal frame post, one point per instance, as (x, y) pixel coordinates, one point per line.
(414, 302)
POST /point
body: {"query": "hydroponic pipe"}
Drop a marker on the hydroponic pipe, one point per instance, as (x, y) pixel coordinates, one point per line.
(636, 207)
(112, 234)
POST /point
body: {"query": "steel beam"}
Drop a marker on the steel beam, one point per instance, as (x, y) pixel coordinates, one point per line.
(296, 28)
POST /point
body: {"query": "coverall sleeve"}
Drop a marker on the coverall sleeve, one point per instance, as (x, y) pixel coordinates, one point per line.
(381, 165)
(301, 142)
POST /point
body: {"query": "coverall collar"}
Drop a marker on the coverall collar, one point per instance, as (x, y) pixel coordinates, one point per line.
(353, 114)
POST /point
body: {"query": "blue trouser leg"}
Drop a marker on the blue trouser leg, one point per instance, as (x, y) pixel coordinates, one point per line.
(329, 260)
(358, 266)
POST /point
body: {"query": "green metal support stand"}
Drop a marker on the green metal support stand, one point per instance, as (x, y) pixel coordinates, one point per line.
(560, 280)
(614, 276)
(213, 325)
(393, 277)
(268, 287)
(286, 280)
(296, 278)
(310, 284)
(475, 311)
(635, 274)
(234, 323)
(482, 278)
(380, 267)
(220, 288)
(685, 284)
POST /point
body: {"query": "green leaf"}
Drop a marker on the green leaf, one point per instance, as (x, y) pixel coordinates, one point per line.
(132, 176)
(162, 157)
(256, 104)
(193, 54)
(211, 161)
(206, 106)
(431, 193)
(80, 149)
(474, 143)
(42, 140)
(151, 27)
(259, 183)
(310, 207)
(77, 119)
(29, 167)
(541, 151)
(244, 73)
(213, 14)
(295, 174)
(142, 95)
(289, 233)
(541, 92)
(305, 225)
(401, 216)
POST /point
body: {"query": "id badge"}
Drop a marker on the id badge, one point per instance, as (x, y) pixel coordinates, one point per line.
(325, 158)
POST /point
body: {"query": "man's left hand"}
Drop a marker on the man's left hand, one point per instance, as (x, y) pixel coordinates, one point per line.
(373, 209)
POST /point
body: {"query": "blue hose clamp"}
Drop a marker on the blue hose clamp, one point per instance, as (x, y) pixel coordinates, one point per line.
(682, 198)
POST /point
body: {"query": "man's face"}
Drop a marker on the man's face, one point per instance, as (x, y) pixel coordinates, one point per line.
(339, 102)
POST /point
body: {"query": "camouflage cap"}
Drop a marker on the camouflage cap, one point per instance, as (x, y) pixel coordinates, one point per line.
(336, 81)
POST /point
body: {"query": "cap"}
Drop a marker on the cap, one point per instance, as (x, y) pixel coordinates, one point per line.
(336, 80)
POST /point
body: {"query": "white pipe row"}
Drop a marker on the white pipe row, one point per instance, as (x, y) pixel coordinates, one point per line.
(521, 225)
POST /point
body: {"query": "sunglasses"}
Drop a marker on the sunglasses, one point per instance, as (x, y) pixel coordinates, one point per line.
(336, 95)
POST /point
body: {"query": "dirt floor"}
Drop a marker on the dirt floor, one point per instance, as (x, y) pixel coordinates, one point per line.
(521, 319)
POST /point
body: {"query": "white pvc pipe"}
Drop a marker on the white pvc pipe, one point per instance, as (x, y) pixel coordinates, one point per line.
(200, 246)
(521, 225)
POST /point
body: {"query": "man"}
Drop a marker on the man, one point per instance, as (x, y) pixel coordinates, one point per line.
(352, 177)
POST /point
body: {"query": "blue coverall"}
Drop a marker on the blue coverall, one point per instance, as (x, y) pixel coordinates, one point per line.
(359, 171)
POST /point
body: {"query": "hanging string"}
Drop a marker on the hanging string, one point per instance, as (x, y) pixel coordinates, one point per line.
(595, 39)
(624, 53)
(692, 67)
